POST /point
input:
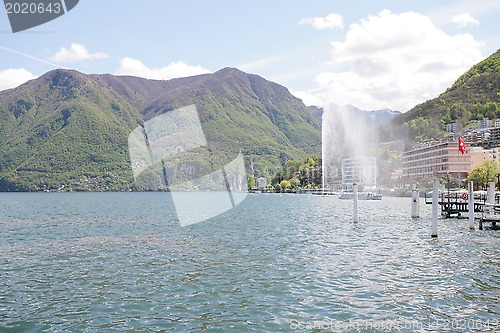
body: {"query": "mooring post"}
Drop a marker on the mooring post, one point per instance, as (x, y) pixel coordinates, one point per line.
(471, 204)
(415, 207)
(435, 207)
(355, 202)
(442, 187)
(491, 193)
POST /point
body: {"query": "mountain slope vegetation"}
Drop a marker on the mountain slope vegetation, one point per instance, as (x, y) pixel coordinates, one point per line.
(67, 130)
(63, 129)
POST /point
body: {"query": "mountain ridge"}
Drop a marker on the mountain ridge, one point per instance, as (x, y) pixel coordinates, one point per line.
(373, 118)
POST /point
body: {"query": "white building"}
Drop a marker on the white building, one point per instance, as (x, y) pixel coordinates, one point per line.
(261, 183)
(484, 123)
(360, 170)
(454, 127)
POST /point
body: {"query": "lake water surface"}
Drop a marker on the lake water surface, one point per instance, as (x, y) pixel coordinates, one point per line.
(120, 262)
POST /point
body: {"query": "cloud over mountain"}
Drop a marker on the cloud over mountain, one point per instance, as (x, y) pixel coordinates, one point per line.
(135, 67)
(395, 60)
(13, 77)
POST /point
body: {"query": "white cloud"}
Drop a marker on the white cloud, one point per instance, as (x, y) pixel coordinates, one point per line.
(308, 98)
(395, 61)
(440, 14)
(134, 67)
(464, 19)
(329, 22)
(76, 53)
(13, 77)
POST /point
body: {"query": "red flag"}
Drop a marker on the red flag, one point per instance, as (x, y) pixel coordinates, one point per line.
(461, 145)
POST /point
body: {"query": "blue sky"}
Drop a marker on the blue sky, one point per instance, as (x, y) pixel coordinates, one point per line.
(372, 54)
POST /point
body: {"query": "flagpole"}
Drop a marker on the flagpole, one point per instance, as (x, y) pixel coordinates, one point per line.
(461, 149)
(458, 172)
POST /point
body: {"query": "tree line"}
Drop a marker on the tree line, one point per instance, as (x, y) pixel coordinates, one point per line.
(295, 175)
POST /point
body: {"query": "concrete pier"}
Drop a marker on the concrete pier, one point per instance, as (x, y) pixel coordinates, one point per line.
(435, 208)
(415, 204)
(355, 202)
(471, 204)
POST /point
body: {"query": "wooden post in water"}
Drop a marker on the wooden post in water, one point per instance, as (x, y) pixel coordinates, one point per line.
(355, 202)
(435, 208)
(415, 207)
(471, 204)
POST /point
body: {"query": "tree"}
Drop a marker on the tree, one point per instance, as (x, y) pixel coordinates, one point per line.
(291, 166)
(285, 184)
(278, 177)
(421, 128)
(457, 110)
(251, 182)
(294, 183)
(447, 117)
(485, 173)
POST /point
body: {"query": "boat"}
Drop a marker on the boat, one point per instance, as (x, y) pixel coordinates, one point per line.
(361, 195)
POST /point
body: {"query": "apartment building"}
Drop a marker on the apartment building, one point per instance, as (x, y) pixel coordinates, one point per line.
(360, 170)
(479, 155)
(484, 123)
(454, 127)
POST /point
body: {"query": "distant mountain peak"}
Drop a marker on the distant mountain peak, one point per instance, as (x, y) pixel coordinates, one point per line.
(373, 117)
(229, 70)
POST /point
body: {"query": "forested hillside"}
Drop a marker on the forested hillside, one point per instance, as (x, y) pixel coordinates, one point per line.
(68, 131)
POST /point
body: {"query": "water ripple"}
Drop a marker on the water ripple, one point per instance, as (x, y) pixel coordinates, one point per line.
(275, 263)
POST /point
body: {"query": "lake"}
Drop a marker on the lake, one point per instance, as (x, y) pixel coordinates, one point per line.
(120, 262)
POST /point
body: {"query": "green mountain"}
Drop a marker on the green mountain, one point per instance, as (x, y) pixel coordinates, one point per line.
(69, 130)
(474, 96)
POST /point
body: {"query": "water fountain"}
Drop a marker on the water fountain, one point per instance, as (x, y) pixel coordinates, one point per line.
(344, 135)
